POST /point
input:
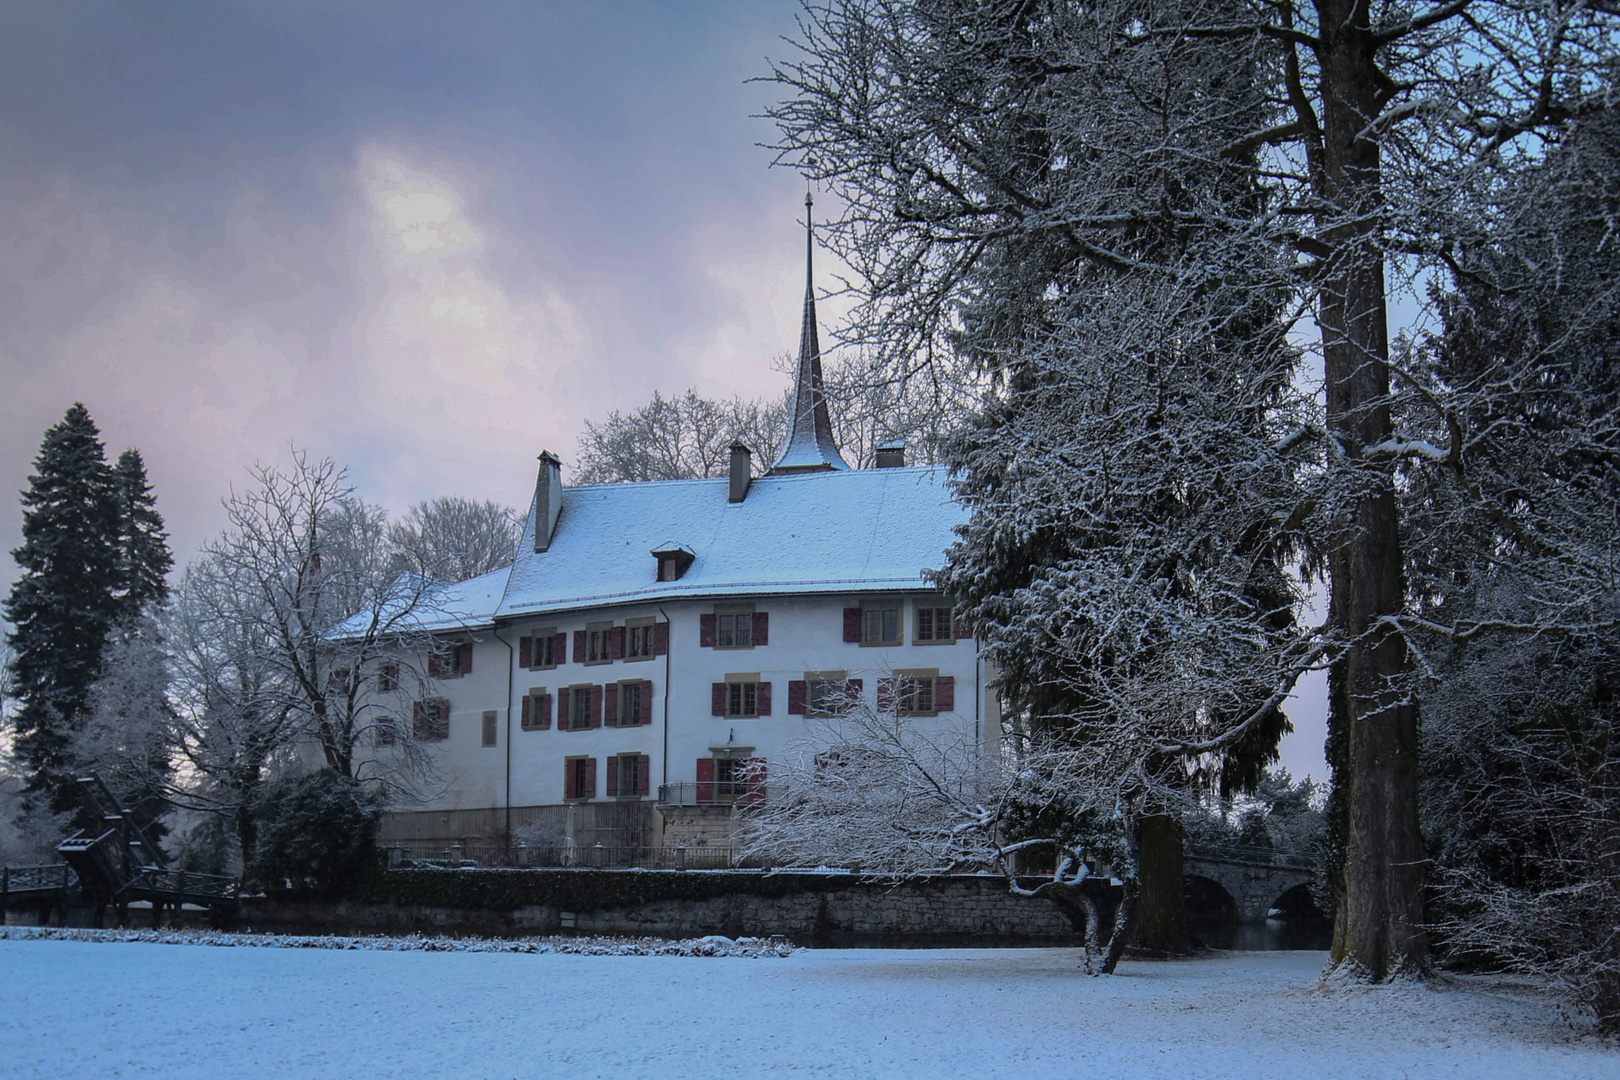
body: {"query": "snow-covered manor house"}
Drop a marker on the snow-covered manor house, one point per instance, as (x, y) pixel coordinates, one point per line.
(655, 646)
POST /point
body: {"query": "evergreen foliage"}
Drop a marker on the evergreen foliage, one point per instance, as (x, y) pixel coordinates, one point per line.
(144, 560)
(314, 834)
(66, 600)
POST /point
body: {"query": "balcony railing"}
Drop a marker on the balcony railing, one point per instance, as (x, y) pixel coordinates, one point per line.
(744, 793)
(478, 851)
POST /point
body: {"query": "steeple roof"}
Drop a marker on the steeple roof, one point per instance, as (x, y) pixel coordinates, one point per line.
(810, 446)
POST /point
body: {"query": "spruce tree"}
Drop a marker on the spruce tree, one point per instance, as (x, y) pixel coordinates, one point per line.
(63, 605)
(144, 560)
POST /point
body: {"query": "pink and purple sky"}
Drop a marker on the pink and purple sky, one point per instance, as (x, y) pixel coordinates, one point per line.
(426, 240)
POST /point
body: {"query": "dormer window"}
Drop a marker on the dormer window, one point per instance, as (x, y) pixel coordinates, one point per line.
(673, 560)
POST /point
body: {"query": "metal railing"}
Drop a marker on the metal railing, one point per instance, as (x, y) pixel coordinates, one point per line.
(744, 793)
(479, 851)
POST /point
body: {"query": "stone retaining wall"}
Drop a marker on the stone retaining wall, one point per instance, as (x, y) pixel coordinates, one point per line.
(809, 909)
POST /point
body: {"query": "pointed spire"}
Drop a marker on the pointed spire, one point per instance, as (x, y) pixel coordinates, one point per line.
(810, 446)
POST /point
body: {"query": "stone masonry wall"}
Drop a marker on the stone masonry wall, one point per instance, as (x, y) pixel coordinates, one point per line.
(940, 911)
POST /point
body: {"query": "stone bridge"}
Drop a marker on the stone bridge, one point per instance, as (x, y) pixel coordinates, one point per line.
(1255, 878)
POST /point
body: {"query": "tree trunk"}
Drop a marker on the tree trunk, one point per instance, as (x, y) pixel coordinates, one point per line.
(1382, 910)
(1161, 911)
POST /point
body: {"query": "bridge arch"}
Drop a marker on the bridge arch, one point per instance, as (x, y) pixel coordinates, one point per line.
(1207, 900)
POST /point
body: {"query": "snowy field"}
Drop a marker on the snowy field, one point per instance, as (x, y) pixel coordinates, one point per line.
(91, 1010)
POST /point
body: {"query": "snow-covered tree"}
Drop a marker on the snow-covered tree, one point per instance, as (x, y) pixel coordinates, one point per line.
(895, 796)
(1378, 129)
(678, 438)
(452, 539)
(63, 605)
(129, 738)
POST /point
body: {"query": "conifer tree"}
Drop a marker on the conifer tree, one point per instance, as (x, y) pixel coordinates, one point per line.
(64, 604)
(144, 560)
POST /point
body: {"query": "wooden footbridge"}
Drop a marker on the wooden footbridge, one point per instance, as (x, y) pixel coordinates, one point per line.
(116, 864)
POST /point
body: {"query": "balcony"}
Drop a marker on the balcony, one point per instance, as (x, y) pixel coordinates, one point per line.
(744, 793)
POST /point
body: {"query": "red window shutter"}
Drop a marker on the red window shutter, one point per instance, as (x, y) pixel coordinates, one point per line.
(433, 666)
(885, 695)
(562, 709)
(543, 704)
(705, 778)
(559, 646)
(852, 624)
(706, 631)
(762, 628)
(596, 706)
(717, 700)
(464, 658)
(390, 678)
(643, 772)
(613, 777)
(660, 638)
(610, 705)
(590, 778)
(568, 779)
(764, 699)
(528, 712)
(618, 643)
(579, 646)
(756, 782)
(852, 691)
(418, 720)
(963, 630)
(525, 652)
(442, 729)
(945, 693)
(796, 697)
(646, 704)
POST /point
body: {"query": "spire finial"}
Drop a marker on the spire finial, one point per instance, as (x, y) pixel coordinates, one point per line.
(809, 446)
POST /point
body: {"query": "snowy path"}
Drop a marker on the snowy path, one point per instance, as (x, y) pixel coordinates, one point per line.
(181, 1012)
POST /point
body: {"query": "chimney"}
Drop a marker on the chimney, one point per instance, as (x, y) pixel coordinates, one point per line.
(547, 500)
(891, 455)
(742, 471)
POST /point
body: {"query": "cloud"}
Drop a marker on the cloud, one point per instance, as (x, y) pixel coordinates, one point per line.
(466, 367)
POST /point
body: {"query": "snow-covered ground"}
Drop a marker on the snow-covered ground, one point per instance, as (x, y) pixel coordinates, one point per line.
(83, 1009)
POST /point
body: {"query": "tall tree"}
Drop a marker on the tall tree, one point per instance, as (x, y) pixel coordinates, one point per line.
(64, 604)
(1382, 126)
(144, 558)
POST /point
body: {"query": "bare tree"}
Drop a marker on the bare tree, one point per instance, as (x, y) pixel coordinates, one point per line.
(896, 797)
(452, 539)
(971, 143)
(679, 438)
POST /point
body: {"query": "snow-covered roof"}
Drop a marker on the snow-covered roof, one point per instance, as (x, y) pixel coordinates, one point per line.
(868, 530)
(470, 604)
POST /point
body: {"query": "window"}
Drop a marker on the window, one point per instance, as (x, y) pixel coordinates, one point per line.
(730, 778)
(536, 709)
(489, 728)
(430, 720)
(546, 649)
(599, 643)
(634, 705)
(734, 626)
(388, 679)
(742, 699)
(581, 706)
(450, 661)
(827, 693)
(639, 644)
(935, 625)
(382, 734)
(880, 624)
(741, 696)
(918, 693)
(627, 776)
(579, 778)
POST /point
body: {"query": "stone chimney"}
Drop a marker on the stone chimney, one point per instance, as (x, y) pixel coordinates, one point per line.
(742, 471)
(891, 455)
(547, 500)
